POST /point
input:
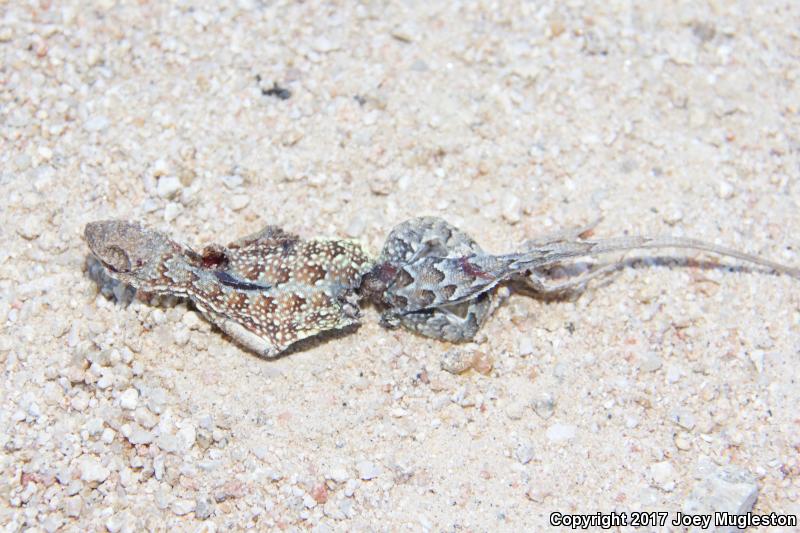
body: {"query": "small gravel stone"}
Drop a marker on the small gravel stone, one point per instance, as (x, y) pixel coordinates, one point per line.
(239, 201)
(524, 346)
(129, 399)
(730, 489)
(725, 190)
(94, 426)
(356, 226)
(684, 419)
(73, 506)
(29, 228)
(544, 406)
(203, 509)
(515, 410)
(456, 361)
(649, 361)
(338, 474)
(367, 470)
(108, 435)
(682, 441)
(92, 470)
(662, 475)
(524, 453)
(140, 436)
(187, 436)
(172, 211)
(191, 320)
(561, 432)
(182, 507)
(114, 523)
(96, 123)
(167, 186)
(168, 442)
(512, 208)
(232, 181)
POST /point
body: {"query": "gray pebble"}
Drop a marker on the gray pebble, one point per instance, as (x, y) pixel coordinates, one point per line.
(203, 508)
(544, 406)
(730, 489)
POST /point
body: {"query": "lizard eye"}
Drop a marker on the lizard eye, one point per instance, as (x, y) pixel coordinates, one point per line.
(117, 260)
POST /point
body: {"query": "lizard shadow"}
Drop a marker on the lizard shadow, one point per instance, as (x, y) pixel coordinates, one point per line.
(314, 341)
(573, 270)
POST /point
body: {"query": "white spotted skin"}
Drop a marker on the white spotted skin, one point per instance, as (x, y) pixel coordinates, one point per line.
(267, 291)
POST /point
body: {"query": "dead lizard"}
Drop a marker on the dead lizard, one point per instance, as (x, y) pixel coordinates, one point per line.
(432, 278)
(266, 291)
(272, 289)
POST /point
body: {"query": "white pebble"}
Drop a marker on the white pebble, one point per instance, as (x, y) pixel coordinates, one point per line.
(191, 320)
(129, 399)
(544, 406)
(182, 507)
(114, 523)
(725, 190)
(168, 443)
(524, 346)
(172, 211)
(663, 476)
(140, 436)
(96, 123)
(338, 474)
(524, 453)
(167, 186)
(29, 228)
(512, 208)
(683, 418)
(323, 44)
(232, 181)
(239, 201)
(728, 489)
(261, 451)
(108, 435)
(72, 506)
(94, 426)
(649, 361)
(186, 437)
(91, 470)
(356, 226)
(561, 432)
(367, 470)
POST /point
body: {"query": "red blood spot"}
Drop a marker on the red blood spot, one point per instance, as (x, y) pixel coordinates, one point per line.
(213, 258)
(471, 270)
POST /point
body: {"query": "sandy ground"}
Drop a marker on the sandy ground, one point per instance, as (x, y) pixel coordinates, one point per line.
(668, 389)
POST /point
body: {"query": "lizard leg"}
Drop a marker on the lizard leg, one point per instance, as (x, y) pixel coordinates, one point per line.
(538, 282)
(457, 323)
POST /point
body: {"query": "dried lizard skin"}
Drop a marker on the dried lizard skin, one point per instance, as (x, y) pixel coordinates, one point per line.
(267, 291)
(434, 279)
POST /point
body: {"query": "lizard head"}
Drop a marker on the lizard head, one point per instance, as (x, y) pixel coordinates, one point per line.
(129, 251)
